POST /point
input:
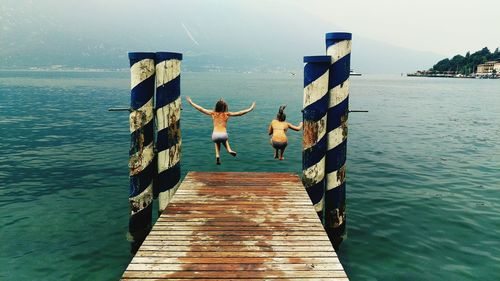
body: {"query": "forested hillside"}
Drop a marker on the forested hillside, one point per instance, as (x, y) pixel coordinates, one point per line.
(466, 65)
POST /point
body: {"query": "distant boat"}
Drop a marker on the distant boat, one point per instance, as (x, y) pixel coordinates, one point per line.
(352, 73)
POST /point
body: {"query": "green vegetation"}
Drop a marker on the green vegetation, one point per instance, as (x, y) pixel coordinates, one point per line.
(466, 65)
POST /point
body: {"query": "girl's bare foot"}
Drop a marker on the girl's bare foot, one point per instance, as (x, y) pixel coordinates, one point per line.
(218, 161)
(228, 147)
(282, 158)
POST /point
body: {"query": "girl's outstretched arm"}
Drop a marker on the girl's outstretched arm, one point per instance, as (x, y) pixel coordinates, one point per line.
(295, 128)
(242, 112)
(199, 108)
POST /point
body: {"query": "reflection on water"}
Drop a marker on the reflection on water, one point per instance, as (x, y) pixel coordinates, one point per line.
(422, 173)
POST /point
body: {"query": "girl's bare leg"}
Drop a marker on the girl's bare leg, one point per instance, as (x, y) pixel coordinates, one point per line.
(275, 154)
(228, 147)
(281, 155)
(217, 152)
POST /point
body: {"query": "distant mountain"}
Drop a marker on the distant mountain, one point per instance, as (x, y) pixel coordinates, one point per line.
(101, 38)
(368, 56)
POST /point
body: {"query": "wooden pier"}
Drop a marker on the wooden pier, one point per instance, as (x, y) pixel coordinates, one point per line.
(230, 226)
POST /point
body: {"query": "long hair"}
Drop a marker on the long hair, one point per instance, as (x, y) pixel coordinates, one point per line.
(281, 116)
(221, 106)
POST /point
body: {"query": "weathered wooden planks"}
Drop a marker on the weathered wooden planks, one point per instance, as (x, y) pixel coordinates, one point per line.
(234, 226)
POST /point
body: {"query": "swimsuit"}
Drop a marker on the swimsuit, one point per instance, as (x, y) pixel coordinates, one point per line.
(219, 137)
(279, 144)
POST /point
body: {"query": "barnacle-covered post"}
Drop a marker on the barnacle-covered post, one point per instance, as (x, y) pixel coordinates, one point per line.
(141, 164)
(316, 75)
(168, 112)
(338, 46)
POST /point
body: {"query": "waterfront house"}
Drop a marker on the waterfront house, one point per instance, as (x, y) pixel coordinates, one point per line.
(496, 67)
(488, 67)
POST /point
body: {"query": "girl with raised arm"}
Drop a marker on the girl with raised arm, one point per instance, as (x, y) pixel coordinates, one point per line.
(220, 115)
(277, 130)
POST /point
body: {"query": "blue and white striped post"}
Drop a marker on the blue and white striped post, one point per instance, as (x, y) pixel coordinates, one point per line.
(314, 143)
(168, 112)
(338, 46)
(141, 164)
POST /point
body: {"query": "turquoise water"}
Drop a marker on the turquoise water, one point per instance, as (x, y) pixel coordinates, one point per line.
(423, 170)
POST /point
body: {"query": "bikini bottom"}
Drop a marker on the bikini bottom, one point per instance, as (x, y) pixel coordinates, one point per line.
(219, 137)
(279, 144)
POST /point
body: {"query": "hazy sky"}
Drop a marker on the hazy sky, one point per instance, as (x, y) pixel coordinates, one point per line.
(441, 26)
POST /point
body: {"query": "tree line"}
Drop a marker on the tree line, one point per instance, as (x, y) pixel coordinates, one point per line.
(466, 65)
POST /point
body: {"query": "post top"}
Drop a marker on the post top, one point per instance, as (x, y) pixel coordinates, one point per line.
(168, 56)
(327, 59)
(141, 55)
(338, 36)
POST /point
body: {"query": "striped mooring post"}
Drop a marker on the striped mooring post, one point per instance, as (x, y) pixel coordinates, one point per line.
(338, 47)
(141, 165)
(168, 112)
(316, 73)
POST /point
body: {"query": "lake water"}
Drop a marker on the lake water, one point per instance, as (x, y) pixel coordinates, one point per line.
(423, 170)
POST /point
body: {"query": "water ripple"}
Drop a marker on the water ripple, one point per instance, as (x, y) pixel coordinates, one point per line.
(423, 166)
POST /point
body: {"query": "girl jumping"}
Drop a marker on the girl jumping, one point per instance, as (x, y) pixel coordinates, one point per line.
(220, 115)
(277, 130)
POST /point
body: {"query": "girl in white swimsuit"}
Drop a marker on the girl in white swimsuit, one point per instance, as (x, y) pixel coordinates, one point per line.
(220, 115)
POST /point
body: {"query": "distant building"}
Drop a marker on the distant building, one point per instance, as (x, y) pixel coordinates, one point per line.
(488, 67)
(497, 67)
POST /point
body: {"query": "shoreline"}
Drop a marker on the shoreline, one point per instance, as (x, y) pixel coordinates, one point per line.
(485, 77)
